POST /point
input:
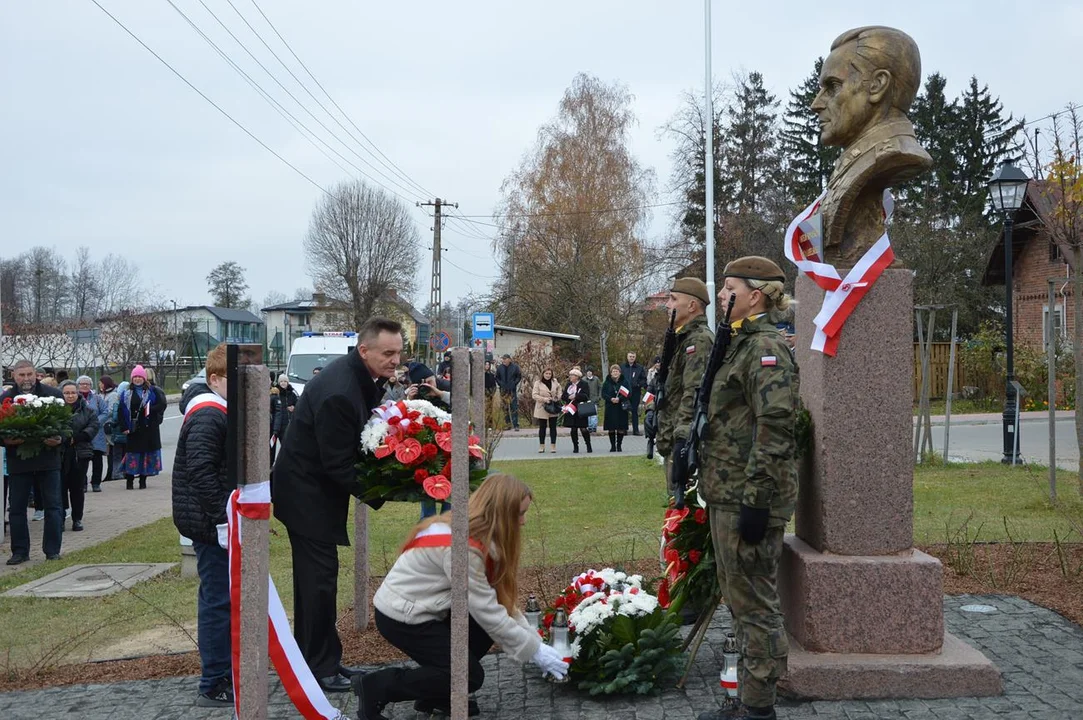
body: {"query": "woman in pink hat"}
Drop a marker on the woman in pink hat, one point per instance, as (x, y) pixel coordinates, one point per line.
(142, 407)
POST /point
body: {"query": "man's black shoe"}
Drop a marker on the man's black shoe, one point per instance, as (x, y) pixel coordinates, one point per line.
(221, 695)
(96, 488)
(335, 684)
(17, 559)
(76, 525)
(431, 706)
(53, 557)
(368, 708)
(738, 711)
(350, 671)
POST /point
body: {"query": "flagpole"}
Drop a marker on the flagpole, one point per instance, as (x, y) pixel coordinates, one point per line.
(708, 165)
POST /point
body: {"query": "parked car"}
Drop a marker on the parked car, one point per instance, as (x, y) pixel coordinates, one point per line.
(201, 377)
(316, 350)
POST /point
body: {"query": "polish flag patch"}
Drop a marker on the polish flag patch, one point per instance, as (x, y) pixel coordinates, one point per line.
(768, 361)
(690, 349)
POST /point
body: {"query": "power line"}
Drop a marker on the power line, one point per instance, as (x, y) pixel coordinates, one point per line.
(393, 181)
(212, 102)
(332, 100)
(470, 272)
(225, 56)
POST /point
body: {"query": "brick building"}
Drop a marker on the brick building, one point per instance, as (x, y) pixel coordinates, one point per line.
(1036, 258)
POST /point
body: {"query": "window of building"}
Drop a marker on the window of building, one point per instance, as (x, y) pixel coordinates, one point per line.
(1058, 323)
(1054, 250)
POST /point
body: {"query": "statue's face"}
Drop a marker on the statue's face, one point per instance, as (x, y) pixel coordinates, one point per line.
(843, 104)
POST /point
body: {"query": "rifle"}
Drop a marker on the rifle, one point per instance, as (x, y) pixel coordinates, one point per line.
(703, 398)
(669, 347)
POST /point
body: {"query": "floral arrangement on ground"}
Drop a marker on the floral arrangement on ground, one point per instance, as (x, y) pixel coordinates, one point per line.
(406, 454)
(690, 578)
(29, 420)
(623, 640)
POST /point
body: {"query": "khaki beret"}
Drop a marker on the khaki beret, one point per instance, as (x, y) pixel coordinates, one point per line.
(754, 267)
(694, 287)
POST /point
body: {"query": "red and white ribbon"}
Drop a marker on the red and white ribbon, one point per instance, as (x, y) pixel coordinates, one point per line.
(254, 502)
(842, 294)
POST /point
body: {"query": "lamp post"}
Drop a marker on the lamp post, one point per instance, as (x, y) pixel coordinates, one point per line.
(1007, 188)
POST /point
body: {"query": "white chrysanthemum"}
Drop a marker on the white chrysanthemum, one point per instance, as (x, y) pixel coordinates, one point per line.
(575, 648)
(36, 402)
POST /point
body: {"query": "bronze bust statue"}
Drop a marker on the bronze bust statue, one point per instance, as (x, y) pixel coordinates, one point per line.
(866, 87)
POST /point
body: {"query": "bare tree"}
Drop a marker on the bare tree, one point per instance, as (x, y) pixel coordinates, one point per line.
(84, 286)
(118, 285)
(361, 243)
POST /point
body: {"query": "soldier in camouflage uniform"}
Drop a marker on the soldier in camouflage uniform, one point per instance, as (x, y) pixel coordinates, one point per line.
(748, 477)
(675, 405)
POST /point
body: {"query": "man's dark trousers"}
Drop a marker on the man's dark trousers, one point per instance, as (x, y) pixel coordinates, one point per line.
(18, 496)
(212, 564)
(315, 591)
(633, 400)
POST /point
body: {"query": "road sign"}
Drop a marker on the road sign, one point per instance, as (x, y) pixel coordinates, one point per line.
(441, 341)
(484, 326)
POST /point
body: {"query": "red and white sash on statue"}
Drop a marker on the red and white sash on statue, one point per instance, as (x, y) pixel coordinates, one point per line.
(254, 502)
(842, 294)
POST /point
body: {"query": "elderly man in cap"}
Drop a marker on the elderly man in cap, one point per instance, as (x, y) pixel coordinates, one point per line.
(689, 299)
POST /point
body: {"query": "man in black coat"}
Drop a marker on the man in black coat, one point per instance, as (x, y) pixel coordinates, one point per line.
(43, 468)
(314, 478)
(635, 378)
(508, 377)
(201, 490)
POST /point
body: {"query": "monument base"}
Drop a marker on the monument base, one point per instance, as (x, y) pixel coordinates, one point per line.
(958, 670)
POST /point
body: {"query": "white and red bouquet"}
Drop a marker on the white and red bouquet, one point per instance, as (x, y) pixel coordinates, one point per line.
(29, 420)
(406, 453)
(623, 641)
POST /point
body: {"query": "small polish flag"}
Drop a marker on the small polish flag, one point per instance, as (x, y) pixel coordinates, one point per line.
(768, 361)
(690, 349)
(649, 397)
(569, 408)
(624, 392)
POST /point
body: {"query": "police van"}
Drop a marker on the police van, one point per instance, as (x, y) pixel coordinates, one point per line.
(316, 350)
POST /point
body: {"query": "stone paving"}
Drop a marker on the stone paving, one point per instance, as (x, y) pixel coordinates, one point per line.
(1039, 653)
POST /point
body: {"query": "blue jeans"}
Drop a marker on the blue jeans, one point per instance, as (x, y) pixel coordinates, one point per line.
(212, 564)
(428, 508)
(19, 487)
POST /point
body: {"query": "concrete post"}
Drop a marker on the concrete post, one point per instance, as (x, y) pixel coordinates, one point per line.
(460, 530)
(249, 461)
(478, 400)
(361, 565)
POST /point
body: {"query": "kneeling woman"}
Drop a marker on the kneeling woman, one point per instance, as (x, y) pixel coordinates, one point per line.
(413, 604)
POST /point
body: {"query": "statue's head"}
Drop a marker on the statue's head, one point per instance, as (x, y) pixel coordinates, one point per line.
(870, 72)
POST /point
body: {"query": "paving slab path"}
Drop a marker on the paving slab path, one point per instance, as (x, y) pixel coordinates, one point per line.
(1039, 653)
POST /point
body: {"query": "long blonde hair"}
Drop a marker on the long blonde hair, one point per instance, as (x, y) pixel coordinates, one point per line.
(494, 522)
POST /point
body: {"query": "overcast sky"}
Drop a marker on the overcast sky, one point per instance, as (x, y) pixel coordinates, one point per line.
(105, 147)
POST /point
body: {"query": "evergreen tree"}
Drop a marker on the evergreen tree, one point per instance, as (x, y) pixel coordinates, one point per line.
(986, 137)
(750, 146)
(807, 161)
(227, 286)
(937, 126)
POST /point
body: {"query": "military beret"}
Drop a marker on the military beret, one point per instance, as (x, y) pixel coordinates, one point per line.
(694, 287)
(754, 267)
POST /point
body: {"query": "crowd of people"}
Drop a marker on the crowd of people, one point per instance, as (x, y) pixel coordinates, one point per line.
(114, 434)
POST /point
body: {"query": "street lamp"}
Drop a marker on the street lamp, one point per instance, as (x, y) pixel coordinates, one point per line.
(1006, 190)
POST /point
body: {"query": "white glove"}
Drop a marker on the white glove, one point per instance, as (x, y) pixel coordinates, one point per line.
(550, 661)
(223, 535)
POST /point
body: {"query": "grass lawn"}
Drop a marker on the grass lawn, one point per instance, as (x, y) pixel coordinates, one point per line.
(592, 511)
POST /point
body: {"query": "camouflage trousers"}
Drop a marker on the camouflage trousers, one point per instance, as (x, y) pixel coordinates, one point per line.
(748, 575)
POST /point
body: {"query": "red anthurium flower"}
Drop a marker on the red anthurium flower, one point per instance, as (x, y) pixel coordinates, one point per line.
(437, 487)
(674, 519)
(694, 556)
(408, 452)
(443, 439)
(382, 451)
(700, 516)
(446, 470)
(420, 474)
(663, 593)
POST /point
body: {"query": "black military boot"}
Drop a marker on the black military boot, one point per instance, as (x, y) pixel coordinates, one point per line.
(739, 711)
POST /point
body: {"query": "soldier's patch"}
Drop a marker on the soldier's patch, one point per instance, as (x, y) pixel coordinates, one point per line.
(768, 361)
(690, 349)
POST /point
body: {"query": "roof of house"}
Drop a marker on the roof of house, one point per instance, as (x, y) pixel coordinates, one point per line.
(1027, 225)
(307, 305)
(544, 333)
(226, 314)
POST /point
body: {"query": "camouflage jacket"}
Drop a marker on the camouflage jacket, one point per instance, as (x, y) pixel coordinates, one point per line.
(749, 453)
(676, 406)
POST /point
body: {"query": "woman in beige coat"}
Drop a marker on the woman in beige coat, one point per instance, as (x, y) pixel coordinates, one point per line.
(546, 389)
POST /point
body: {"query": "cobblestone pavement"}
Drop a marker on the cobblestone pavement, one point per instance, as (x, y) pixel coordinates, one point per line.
(1039, 653)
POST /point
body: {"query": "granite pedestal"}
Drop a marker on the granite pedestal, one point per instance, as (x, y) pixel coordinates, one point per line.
(862, 605)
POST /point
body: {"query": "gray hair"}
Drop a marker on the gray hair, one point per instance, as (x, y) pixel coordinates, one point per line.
(21, 363)
(81, 378)
(66, 383)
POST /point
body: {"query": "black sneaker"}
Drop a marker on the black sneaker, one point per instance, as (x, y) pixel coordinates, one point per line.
(55, 556)
(76, 525)
(431, 706)
(17, 559)
(221, 695)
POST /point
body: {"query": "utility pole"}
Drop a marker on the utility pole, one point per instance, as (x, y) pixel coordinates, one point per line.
(434, 297)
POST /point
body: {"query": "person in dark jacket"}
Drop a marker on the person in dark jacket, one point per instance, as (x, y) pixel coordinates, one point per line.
(97, 403)
(635, 379)
(490, 378)
(616, 408)
(277, 412)
(201, 490)
(43, 468)
(314, 478)
(142, 407)
(574, 393)
(78, 451)
(289, 404)
(508, 377)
